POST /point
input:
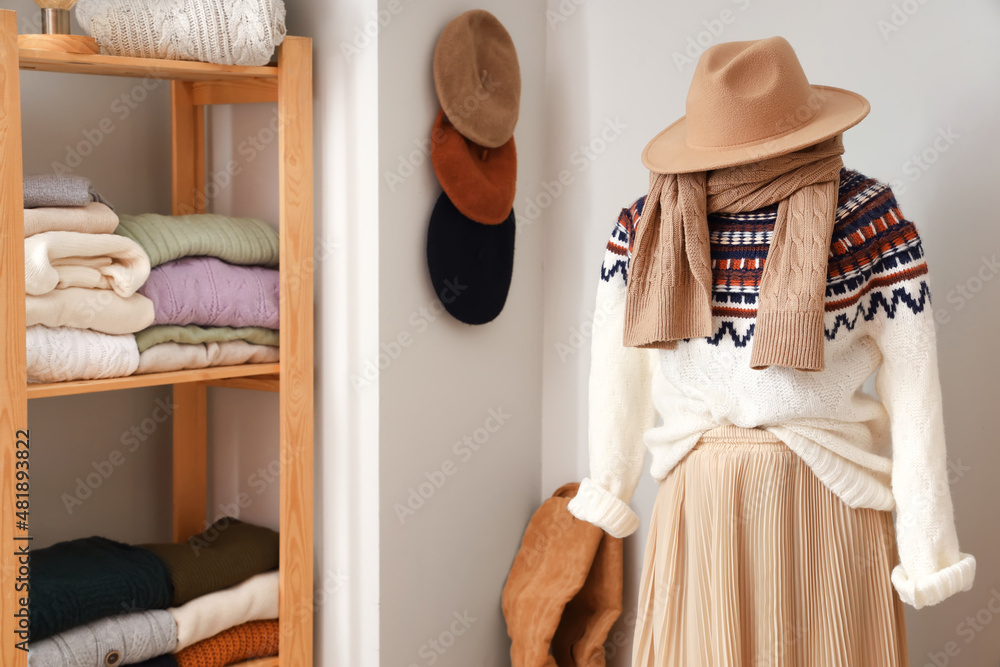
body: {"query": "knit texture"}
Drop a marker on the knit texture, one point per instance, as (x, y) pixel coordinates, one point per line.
(885, 452)
(82, 308)
(63, 354)
(92, 218)
(75, 259)
(227, 553)
(235, 240)
(124, 639)
(256, 599)
(177, 356)
(76, 582)
(65, 190)
(225, 32)
(669, 296)
(210, 292)
(256, 639)
(192, 334)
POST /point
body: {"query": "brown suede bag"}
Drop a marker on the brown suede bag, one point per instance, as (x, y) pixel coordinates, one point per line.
(564, 591)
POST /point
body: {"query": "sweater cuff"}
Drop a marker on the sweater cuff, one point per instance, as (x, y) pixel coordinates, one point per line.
(605, 510)
(937, 586)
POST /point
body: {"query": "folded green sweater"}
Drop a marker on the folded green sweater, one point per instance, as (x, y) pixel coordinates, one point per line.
(192, 334)
(76, 582)
(227, 553)
(245, 241)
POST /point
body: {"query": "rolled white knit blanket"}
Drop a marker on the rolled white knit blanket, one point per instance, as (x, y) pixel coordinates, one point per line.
(76, 259)
(225, 32)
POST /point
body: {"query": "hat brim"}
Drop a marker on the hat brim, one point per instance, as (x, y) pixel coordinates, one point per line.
(669, 152)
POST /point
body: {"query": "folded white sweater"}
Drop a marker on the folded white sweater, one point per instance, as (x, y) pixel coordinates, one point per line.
(256, 599)
(98, 309)
(62, 354)
(94, 218)
(76, 259)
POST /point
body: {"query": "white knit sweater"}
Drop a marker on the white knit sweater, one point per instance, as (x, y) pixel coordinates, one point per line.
(878, 317)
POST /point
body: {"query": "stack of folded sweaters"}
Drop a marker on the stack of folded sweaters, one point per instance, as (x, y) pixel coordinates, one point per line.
(109, 295)
(81, 281)
(208, 602)
(214, 290)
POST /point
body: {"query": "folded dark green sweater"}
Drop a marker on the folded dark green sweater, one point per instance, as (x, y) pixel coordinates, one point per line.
(227, 553)
(76, 582)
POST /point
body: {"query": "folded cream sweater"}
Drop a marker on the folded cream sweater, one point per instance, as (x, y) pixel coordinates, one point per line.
(256, 599)
(177, 356)
(94, 218)
(82, 308)
(76, 259)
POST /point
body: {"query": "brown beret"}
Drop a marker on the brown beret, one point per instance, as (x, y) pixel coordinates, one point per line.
(478, 79)
(479, 181)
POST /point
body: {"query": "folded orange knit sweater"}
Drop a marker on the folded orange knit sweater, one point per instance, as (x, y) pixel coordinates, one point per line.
(256, 639)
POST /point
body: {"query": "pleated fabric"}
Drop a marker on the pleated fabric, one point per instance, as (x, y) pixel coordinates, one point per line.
(752, 562)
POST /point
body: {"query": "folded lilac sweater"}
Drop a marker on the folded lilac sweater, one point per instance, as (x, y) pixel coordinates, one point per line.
(209, 292)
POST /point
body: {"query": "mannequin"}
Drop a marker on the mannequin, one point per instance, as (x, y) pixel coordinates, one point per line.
(754, 289)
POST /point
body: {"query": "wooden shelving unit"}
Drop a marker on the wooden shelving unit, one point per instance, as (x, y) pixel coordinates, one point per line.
(192, 86)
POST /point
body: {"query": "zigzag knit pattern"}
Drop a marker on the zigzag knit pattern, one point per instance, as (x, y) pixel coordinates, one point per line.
(873, 249)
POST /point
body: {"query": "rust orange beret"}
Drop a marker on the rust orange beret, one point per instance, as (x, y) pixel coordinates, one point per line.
(479, 181)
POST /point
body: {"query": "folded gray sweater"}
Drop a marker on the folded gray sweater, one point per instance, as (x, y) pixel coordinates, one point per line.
(115, 640)
(63, 190)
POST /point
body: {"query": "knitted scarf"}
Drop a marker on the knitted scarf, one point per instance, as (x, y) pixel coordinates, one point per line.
(670, 282)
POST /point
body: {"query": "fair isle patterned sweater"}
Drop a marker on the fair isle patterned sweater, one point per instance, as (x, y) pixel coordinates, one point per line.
(885, 452)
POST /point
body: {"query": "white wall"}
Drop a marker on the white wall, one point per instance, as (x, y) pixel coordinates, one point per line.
(452, 555)
(937, 71)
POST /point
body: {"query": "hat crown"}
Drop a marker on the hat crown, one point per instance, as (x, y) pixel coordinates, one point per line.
(747, 92)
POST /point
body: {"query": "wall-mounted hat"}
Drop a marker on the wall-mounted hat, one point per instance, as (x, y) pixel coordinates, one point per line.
(749, 101)
(470, 263)
(479, 181)
(478, 79)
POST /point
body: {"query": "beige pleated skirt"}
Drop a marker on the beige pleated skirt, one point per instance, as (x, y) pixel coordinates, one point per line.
(752, 562)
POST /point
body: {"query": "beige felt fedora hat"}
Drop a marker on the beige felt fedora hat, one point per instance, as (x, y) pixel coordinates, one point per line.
(749, 101)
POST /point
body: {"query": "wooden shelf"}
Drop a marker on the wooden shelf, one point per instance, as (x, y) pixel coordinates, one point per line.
(260, 662)
(215, 375)
(179, 70)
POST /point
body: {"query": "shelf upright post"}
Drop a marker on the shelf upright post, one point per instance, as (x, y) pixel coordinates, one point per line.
(190, 400)
(295, 177)
(13, 367)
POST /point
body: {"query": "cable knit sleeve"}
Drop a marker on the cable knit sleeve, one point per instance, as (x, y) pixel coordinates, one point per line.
(931, 566)
(621, 407)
